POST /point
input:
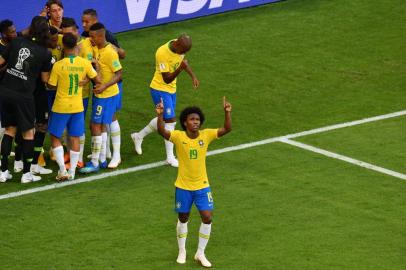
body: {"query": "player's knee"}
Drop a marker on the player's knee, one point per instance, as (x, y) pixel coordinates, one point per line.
(206, 217)
(183, 217)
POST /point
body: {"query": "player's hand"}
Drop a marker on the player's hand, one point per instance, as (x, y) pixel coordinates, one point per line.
(84, 82)
(159, 108)
(99, 88)
(44, 12)
(227, 105)
(196, 83)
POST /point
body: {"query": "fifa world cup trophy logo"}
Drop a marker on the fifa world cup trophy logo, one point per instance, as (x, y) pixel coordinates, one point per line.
(23, 54)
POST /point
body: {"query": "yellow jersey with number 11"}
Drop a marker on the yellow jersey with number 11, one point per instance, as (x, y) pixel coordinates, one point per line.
(66, 75)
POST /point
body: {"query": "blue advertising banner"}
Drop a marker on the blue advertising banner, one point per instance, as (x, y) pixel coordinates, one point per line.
(124, 15)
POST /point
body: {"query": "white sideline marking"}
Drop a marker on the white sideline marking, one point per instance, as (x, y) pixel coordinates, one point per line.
(344, 158)
(210, 153)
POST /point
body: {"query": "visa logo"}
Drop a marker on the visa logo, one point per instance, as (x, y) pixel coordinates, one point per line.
(137, 9)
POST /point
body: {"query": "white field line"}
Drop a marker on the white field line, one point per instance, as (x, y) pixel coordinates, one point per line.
(344, 158)
(210, 153)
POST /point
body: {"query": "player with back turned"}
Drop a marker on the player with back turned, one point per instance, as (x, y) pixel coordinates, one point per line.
(192, 183)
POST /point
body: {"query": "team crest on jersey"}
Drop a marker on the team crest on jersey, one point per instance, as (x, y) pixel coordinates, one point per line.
(162, 66)
(23, 54)
(201, 143)
(168, 111)
(178, 205)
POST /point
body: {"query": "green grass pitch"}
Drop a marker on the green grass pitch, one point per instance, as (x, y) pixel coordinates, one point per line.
(286, 67)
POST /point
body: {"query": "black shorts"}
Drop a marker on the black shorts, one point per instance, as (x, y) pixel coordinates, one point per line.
(18, 113)
(41, 107)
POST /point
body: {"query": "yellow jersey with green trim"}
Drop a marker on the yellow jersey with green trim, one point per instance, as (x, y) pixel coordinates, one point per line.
(109, 64)
(191, 153)
(57, 53)
(86, 51)
(165, 61)
(66, 75)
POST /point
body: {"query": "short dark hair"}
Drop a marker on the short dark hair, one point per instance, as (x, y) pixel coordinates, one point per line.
(69, 40)
(49, 3)
(68, 22)
(4, 25)
(91, 12)
(189, 110)
(97, 26)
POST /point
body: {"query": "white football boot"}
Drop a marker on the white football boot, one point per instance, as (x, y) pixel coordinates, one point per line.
(181, 256)
(172, 162)
(137, 143)
(4, 176)
(18, 166)
(29, 177)
(200, 257)
(37, 169)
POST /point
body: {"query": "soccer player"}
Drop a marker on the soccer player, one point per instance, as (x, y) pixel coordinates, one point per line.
(27, 58)
(54, 12)
(8, 33)
(170, 62)
(104, 101)
(67, 110)
(84, 50)
(192, 183)
(89, 18)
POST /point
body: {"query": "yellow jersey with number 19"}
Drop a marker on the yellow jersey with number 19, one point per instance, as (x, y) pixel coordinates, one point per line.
(191, 153)
(109, 64)
(66, 75)
(165, 61)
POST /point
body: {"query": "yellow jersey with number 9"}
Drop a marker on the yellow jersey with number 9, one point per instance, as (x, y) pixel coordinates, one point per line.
(191, 153)
(166, 61)
(66, 75)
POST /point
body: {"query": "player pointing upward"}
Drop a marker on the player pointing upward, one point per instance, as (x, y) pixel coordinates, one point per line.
(192, 183)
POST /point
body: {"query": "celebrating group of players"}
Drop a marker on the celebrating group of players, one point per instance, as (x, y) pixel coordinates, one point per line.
(48, 75)
(48, 72)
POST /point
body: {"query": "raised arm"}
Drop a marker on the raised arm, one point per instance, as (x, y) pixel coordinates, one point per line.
(161, 124)
(227, 119)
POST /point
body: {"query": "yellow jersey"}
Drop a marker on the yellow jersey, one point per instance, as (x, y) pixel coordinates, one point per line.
(66, 75)
(57, 53)
(165, 61)
(191, 153)
(109, 64)
(86, 51)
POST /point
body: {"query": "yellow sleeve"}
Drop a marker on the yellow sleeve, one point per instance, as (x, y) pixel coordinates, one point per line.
(53, 79)
(90, 72)
(162, 61)
(114, 62)
(212, 134)
(175, 134)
